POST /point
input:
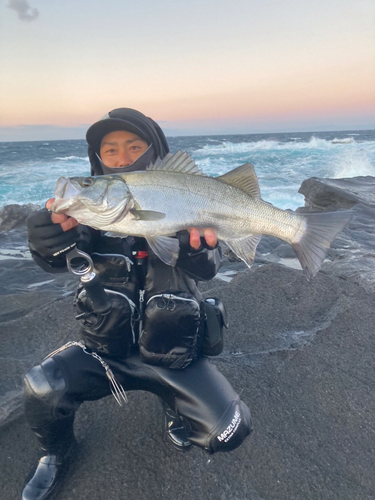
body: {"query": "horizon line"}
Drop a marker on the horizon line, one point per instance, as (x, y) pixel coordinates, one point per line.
(170, 135)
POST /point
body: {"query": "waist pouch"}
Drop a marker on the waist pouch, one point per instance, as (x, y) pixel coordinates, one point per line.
(113, 333)
(171, 331)
(113, 268)
(216, 319)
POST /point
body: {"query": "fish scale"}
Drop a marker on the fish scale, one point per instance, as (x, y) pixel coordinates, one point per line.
(193, 201)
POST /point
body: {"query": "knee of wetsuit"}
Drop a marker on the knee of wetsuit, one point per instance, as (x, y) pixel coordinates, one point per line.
(234, 427)
(44, 386)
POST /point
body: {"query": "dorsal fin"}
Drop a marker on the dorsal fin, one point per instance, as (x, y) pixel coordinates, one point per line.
(179, 162)
(244, 178)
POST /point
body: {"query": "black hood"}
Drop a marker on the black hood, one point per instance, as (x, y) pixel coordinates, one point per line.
(124, 119)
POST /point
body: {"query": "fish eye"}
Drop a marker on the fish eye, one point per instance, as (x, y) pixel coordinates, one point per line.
(87, 182)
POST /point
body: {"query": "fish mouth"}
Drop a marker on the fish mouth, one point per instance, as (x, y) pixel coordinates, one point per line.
(61, 206)
(66, 196)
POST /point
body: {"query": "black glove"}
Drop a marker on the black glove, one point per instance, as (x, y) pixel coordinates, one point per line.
(200, 264)
(184, 239)
(46, 238)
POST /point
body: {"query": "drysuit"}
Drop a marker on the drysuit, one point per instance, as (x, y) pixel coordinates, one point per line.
(164, 356)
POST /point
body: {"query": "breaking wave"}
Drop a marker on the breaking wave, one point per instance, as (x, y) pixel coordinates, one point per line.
(71, 158)
(315, 143)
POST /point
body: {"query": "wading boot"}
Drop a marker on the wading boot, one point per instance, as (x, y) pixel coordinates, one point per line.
(175, 429)
(51, 419)
(47, 473)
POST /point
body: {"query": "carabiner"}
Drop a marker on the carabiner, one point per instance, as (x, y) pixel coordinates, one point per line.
(79, 262)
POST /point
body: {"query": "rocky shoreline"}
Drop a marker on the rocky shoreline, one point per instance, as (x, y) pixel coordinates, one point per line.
(301, 355)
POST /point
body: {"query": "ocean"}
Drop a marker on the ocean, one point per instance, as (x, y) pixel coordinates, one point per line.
(29, 170)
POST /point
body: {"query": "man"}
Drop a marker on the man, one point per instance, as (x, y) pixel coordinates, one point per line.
(163, 356)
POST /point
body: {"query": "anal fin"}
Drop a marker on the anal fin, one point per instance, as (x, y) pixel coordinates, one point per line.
(245, 248)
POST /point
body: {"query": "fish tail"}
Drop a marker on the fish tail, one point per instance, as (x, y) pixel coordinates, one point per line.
(320, 230)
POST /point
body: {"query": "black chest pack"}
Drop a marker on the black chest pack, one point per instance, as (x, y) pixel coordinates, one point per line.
(170, 329)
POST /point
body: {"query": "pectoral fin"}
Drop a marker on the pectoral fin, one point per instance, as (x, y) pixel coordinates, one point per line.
(166, 248)
(149, 215)
(245, 248)
(112, 234)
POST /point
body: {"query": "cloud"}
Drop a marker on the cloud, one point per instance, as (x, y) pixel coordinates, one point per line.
(23, 9)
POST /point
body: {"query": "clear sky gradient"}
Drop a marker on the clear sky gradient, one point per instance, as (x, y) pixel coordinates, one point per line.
(196, 67)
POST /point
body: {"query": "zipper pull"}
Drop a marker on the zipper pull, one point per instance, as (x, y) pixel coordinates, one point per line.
(129, 264)
(141, 309)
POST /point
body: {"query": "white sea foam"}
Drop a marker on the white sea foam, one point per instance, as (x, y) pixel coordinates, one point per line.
(315, 143)
(226, 147)
(353, 163)
(70, 158)
(347, 140)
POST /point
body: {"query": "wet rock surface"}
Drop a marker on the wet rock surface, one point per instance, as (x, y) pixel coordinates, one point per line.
(352, 254)
(300, 354)
(12, 216)
(338, 193)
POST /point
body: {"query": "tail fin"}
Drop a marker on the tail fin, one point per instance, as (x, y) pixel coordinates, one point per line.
(321, 230)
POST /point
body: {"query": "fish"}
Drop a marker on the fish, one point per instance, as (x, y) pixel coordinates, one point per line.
(173, 194)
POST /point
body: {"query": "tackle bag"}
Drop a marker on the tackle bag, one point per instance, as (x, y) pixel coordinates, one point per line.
(216, 319)
(113, 333)
(171, 330)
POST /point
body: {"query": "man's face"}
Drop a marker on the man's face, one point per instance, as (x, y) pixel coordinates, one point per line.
(121, 148)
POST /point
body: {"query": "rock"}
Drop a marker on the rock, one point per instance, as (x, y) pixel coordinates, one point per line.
(12, 216)
(28, 328)
(352, 253)
(338, 193)
(299, 353)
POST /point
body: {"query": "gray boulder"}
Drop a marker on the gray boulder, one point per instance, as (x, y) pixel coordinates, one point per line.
(12, 216)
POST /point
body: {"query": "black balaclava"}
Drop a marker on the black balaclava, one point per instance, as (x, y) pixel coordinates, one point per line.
(132, 121)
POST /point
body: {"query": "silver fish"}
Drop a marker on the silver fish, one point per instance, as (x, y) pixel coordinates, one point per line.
(173, 194)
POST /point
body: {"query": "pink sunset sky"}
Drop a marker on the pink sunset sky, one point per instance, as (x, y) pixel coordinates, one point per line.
(197, 67)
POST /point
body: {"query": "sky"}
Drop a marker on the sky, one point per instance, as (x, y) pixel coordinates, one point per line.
(196, 67)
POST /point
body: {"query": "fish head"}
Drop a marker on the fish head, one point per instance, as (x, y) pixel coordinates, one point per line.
(103, 198)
